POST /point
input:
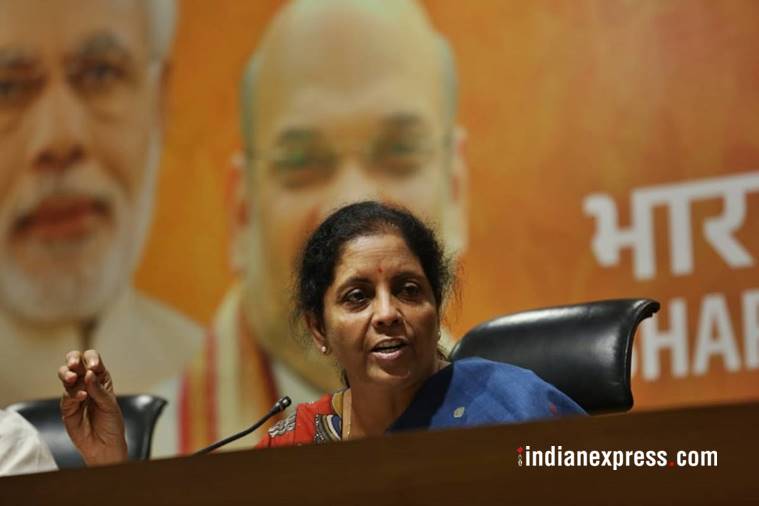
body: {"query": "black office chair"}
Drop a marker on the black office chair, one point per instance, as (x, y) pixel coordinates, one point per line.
(584, 350)
(140, 412)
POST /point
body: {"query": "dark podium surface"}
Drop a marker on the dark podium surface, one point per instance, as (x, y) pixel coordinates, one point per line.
(461, 467)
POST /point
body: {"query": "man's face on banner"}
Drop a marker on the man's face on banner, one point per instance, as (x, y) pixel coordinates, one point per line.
(347, 107)
(79, 142)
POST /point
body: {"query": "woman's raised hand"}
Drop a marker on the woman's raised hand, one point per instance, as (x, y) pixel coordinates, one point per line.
(89, 409)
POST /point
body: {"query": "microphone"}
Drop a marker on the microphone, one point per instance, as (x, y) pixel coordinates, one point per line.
(280, 405)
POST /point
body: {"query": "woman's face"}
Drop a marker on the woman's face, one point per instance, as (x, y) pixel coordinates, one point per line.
(380, 317)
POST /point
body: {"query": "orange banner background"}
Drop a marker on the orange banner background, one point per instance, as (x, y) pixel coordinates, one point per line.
(560, 100)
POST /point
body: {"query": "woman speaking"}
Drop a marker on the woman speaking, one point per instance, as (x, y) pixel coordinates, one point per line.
(371, 284)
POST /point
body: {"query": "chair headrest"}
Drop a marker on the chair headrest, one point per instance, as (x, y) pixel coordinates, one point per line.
(140, 415)
(584, 350)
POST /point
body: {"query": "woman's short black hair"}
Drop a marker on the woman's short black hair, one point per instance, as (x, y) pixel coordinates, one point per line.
(322, 251)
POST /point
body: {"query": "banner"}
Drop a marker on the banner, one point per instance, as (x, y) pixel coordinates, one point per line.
(571, 151)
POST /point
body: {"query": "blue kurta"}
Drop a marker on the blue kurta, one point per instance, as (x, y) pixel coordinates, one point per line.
(475, 391)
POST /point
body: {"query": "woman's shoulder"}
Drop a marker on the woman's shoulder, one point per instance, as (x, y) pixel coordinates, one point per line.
(304, 425)
(523, 392)
(482, 367)
(476, 391)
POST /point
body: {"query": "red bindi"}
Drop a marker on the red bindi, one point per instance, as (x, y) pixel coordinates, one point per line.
(379, 269)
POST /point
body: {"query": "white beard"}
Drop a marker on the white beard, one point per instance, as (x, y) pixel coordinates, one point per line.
(80, 291)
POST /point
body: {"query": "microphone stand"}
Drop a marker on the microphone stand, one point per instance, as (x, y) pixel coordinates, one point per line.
(279, 406)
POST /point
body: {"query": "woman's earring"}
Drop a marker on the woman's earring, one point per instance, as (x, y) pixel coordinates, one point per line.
(324, 349)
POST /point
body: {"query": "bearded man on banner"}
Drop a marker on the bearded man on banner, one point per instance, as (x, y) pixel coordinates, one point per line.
(82, 92)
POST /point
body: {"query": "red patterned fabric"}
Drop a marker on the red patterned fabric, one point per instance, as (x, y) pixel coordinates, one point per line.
(300, 428)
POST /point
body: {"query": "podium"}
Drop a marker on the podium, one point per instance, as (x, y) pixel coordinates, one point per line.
(451, 467)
